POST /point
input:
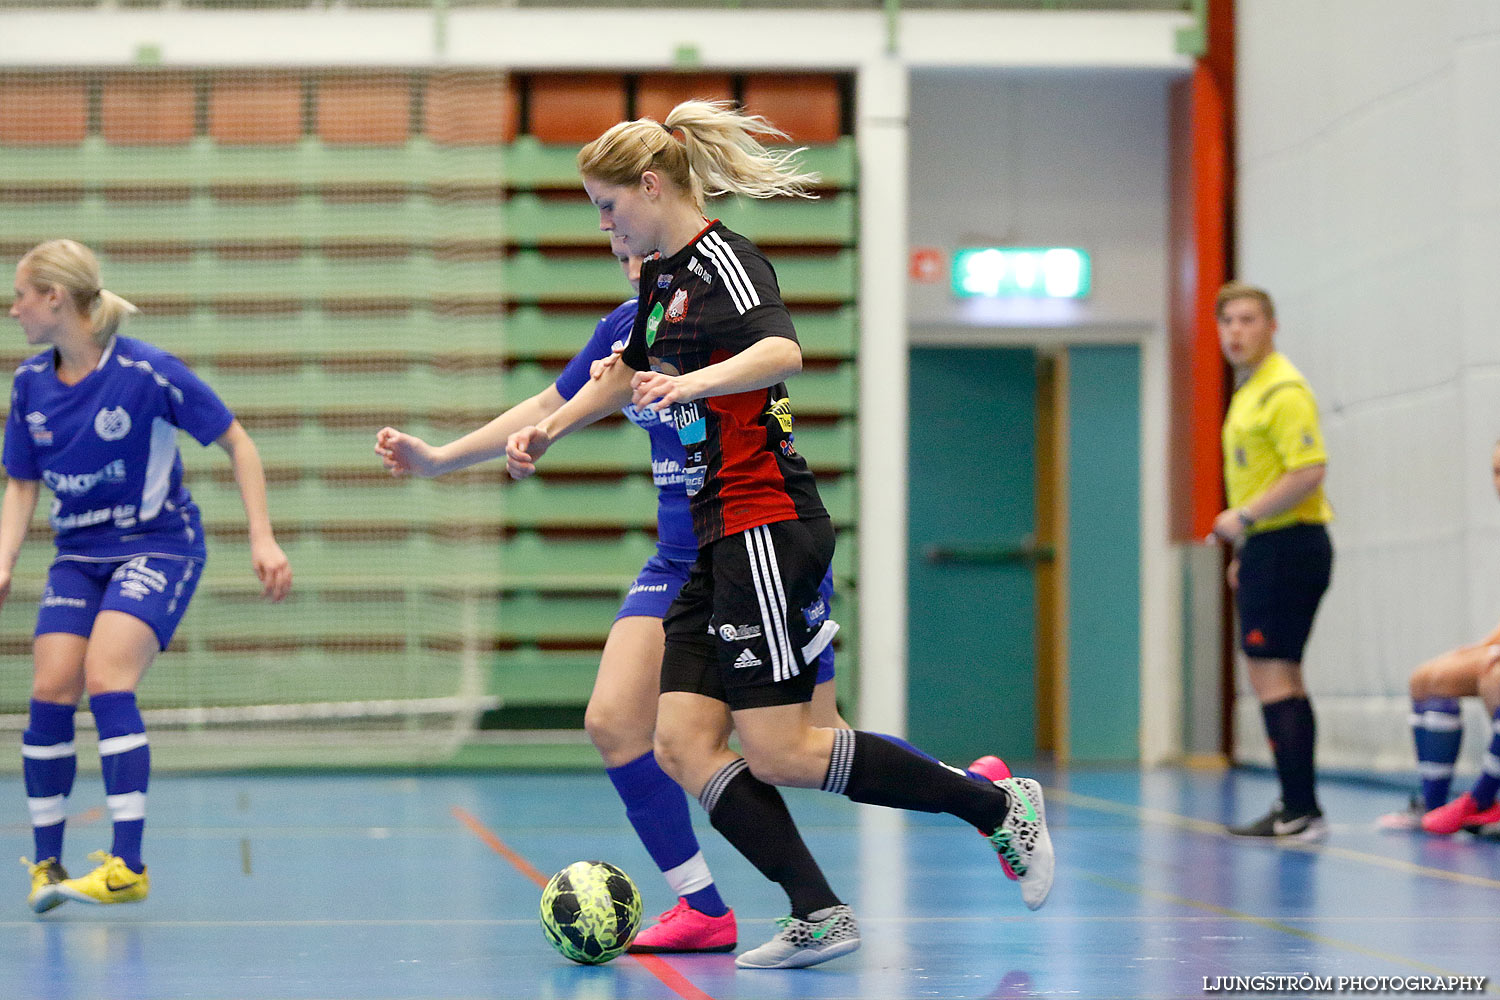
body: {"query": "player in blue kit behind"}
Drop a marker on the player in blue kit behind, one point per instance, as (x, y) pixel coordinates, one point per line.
(96, 417)
(621, 714)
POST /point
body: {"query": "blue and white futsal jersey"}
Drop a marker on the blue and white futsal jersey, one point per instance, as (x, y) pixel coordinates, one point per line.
(107, 447)
(674, 518)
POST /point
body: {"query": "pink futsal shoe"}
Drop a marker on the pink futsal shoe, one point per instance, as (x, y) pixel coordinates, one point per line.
(1462, 813)
(996, 770)
(684, 929)
(992, 767)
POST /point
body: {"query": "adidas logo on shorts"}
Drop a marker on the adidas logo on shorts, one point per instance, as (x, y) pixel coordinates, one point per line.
(745, 659)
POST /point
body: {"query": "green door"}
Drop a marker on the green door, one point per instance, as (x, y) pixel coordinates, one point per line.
(971, 586)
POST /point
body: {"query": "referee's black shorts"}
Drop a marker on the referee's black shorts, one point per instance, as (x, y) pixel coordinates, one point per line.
(748, 626)
(1283, 575)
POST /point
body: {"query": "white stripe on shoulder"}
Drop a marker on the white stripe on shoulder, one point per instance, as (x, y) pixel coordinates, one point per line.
(731, 271)
(731, 285)
(159, 378)
(733, 261)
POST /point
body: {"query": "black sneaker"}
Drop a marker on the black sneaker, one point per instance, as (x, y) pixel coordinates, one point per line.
(1279, 824)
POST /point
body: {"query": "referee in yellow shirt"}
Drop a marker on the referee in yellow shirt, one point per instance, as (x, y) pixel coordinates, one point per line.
(1273, 472)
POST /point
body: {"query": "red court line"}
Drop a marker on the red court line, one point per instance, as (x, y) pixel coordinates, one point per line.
(654, 964)
(676, 981)
(497, 845)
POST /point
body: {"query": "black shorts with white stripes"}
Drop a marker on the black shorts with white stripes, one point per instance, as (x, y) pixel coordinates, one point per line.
(746, 629)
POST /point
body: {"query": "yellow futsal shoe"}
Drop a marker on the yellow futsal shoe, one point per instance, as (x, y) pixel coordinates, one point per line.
(46, 876)
(111, 882)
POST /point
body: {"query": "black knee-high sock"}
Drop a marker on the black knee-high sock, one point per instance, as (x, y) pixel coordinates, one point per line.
(869, 769)
(1293, 731)
(753, 817)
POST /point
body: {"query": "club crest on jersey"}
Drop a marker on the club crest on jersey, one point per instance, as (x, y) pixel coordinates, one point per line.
(112, 424)
(677, 308)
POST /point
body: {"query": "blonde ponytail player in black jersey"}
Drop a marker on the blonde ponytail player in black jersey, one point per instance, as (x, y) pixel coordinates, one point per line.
(713, 344)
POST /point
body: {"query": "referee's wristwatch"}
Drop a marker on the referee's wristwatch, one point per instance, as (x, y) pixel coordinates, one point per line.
(1246, 521)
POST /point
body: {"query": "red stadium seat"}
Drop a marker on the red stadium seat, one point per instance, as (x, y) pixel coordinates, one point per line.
(255, 109)
(574, 108)
(43, 109)
(658, 93)
(806, 106)
(148, 109)
(470, 109)
(364, 110)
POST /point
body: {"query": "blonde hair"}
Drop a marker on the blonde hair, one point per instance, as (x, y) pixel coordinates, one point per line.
(71, 266)
(718, 154)
(1232, 290)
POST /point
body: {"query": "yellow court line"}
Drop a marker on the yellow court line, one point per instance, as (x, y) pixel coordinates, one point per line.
(1276, 925)
(1217, 830)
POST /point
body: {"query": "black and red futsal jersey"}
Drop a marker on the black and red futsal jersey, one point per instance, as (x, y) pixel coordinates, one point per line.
(709, 301)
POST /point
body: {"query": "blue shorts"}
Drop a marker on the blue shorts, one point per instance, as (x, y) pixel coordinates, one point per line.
(661, 578)
(152, 588)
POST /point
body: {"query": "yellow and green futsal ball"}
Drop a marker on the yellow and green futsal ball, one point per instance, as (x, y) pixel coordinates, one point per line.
(591, 911)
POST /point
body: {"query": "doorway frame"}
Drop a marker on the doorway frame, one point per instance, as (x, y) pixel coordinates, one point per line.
(883, 511)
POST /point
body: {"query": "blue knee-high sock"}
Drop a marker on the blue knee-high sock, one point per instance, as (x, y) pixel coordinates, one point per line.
(49, 764)
(1437, 728)
(923, 753)
(1489, 777)
(658, 810)
(125, 757)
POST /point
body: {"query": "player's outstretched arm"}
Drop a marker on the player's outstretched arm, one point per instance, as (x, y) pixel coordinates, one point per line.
(594, 401)
(408, 455)
(761, 365)
(272, 568)
(15, 518)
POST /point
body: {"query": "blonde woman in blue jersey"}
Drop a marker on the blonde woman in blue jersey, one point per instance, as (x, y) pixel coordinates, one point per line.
(96, 417)
(1274, 462)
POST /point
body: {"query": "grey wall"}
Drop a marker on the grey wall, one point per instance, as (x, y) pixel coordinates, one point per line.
(1369, 204)
(1044, 159)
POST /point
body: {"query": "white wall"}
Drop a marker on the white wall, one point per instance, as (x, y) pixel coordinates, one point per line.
(1369, 207)
(1006, 158)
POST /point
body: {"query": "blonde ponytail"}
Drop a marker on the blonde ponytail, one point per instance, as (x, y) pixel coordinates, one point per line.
(718, 154)
(71, 266)
(108, 313)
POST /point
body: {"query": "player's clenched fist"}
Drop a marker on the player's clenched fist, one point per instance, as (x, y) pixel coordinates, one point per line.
(522, 449)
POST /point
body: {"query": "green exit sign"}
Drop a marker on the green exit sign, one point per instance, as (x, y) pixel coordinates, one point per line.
(1021, 272)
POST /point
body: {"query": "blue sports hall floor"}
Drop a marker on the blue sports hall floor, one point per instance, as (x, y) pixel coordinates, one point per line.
(316, 887)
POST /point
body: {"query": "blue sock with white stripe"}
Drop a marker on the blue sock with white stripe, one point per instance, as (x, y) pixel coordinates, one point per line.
(1489, 777)
(657, 807)
(49, 764)
(125, 757)
(1437, 728)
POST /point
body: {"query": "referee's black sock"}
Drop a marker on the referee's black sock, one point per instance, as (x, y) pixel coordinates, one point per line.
(869, 769)
(753, 817)
(1293, 731)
